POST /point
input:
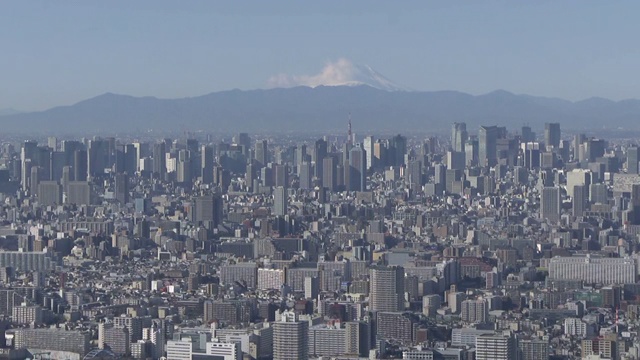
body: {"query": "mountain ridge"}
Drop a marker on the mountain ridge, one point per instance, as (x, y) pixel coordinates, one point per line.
(322, 108)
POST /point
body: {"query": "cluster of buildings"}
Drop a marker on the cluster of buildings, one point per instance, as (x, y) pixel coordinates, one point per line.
(494, 245)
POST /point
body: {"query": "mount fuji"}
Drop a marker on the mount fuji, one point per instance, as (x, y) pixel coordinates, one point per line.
(338, 73)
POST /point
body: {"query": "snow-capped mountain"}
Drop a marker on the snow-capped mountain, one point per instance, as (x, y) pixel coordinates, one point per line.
(339, 73)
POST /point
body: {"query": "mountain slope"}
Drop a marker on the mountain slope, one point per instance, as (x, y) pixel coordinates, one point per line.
(320, 109)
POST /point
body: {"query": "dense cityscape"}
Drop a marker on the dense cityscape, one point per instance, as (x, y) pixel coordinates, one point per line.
(483, 244)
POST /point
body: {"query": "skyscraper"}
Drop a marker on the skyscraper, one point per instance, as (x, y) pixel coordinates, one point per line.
(290, 337)
(208, 210)
(458, 136)
(305, 176)
(159, 160)
(552, 134)
(386, 288)
(398, 149)
(550, 204)
(261, 153)
(367, 144)
(319, 153)
(579, 201)
(357, 171)
(329, 173)
(122, 188)
(632, 160)
(280, 201)
(487, 141)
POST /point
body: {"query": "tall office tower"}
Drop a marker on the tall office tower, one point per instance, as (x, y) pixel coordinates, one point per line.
(471, 152)
(455, 160)
(319, 153)
(206, 163)
(58, 161)
(632, 160)
(414, 176)
(550, 203)
(300, 154)
(475, 311)
(243, 140)
(398, 149)
(458, 136)
(386, 291)
(578, 139)
(305, 176)
(357, 169)
(531, 155)
(80, 165)
(249, 177)
(496, 347)
(290, 337)
(192, 145)
(280, 201)
(487, 142)
(379, 155)
(209, 210)
(160, 160)
(122, 188)
(266, 176)
(429, 145)
(281, 175)
(577, 177)
(440, 172)
(527, 135)
(43, 160)
(27, 154)
(97, 156)
(34, 179)
(184, 172)
(579, 201)
(552, 134)
(65, 178)
(367, 144)
(261, 153)
(49, 193)
(79, 193)
(329, 173)
(593, 149)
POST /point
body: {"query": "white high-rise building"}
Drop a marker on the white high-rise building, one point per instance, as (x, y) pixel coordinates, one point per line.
(368, 148)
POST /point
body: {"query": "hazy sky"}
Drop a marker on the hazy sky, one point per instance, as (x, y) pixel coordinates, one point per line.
(60, 52)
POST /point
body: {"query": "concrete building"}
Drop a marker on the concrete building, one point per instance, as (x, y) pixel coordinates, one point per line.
(290, 337)
(496, 347)
(594, 270)
(386, 288)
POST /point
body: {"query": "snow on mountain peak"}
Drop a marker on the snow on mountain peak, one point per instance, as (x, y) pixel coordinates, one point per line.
(338, 73)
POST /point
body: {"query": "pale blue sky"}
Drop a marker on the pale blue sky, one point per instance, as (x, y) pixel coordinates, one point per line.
(60, 52)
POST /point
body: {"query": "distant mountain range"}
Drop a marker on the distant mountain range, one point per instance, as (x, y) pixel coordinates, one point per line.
(322, 108)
